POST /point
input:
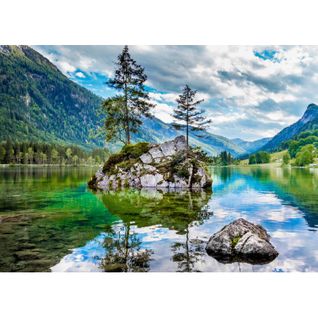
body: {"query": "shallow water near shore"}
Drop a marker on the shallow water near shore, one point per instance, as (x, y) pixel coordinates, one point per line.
(51, 221)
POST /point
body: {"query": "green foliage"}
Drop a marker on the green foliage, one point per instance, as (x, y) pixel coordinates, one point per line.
(286, 158)
(112, 161)
(136, 150)
(126, 157)
(259, 157)
(309, 137)
(235, 240)
(224, 159)
(42, 153)
(114, 123)
(293, 148)
(305, 156)
(201, 155)
(180, 165)
(2, 153)
(252, 160)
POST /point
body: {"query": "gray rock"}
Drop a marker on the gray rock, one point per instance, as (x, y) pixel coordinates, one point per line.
(180, 142)
(149, 168)
(163, 184)
(99, 174)
(146, 158)
(241, 241)
(154, 169)
(156, 153)
(180, 182)
(168, 148)
(150, 180)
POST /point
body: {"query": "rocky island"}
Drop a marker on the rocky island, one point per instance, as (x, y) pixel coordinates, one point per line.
(145, 165)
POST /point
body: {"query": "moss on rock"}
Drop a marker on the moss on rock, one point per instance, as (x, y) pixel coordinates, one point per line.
(126, 158)
(235, 240)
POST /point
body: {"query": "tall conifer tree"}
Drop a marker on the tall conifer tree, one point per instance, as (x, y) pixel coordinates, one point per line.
(125, 110)
(187, 114)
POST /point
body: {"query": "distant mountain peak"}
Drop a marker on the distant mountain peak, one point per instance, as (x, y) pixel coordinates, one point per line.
(312, 106)
(308, 121)
(310, 114)
(250, 146)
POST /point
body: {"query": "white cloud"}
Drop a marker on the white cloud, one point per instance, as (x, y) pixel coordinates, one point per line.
(80, 75)
(66, 67)
(244, 94)
(163, 112)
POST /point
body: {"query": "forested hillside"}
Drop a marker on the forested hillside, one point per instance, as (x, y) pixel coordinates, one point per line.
(308, 121)
(39, 103)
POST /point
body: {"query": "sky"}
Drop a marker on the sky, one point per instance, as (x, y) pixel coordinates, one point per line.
(249, 92)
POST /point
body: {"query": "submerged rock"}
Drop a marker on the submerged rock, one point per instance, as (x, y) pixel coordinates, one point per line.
(241, 241)
(153, 166)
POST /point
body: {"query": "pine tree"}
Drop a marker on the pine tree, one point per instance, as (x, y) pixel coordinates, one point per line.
(2, 153)
(187, 115)
(124, 111)
(9, 152)
(115, 124)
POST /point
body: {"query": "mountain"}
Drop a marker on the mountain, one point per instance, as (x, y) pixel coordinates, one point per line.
(154, 130)
(250, 146)
(39, 103)
(307, 122)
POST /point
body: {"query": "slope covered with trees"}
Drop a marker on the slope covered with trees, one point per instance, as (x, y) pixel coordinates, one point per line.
(303, 147)
(39, 103)
(309, 121)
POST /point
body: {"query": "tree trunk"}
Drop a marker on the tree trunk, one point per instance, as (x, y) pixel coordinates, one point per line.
(187, 136)
(127, 230)
(127, 117)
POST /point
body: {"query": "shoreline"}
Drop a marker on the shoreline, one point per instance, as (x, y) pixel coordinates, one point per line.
(15, 165)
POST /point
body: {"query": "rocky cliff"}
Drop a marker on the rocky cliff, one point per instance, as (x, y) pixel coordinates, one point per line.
(144, 165)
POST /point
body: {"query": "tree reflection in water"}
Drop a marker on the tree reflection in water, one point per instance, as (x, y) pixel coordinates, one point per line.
(187, 254)
(172, 209)
(124, 253)
(176, 210)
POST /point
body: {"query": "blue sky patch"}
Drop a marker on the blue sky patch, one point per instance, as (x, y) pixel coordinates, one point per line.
(267, 55)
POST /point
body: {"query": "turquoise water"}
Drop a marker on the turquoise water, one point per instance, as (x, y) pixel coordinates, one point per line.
(51, 221)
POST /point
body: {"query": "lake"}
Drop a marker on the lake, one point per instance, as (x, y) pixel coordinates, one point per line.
(51, 221)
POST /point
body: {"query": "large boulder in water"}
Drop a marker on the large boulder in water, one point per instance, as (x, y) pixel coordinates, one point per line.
(241, 241)
(145, 165)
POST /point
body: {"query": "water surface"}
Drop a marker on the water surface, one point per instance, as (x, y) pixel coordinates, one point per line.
(51, 221)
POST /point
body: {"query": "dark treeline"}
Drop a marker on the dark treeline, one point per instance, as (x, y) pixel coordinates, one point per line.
(259, 157)
(224, 158)
(42, 153)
